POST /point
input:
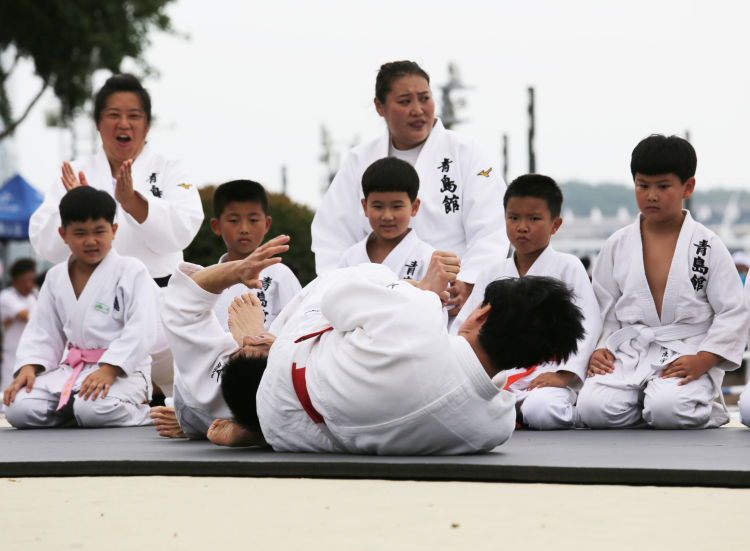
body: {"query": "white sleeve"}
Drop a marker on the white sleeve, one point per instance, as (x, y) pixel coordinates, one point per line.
(42, 341)
(338, 222)
(140, 296)
(728, 333)
(174, 219)
(607, 292)
(483, 216)
(44, 223)
(198, 342)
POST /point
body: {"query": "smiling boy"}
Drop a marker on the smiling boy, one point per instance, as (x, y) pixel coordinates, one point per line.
(390, 188)
(83, 358)
(546, 393)
(673, 320)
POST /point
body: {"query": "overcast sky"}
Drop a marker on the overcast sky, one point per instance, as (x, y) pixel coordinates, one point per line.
(248, 90)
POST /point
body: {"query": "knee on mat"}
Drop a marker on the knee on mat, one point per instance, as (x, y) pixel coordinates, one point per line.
(668, 408)
(542, 413)
(599, 409)
(20, 413)
(95, 413)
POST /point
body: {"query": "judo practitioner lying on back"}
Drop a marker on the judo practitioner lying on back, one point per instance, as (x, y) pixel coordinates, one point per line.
(362, 362)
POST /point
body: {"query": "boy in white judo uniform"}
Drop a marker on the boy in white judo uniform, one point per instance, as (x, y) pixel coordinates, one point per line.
(241, 220)
(546, 393)
(390, 188)
(17, 302)
(673, 317)
(362, 361)
(83, 358)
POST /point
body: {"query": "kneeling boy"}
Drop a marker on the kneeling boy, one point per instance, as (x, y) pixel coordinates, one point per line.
(83, 357)
(390, 186)
(546, 393)
(671, 301)
(241, 220)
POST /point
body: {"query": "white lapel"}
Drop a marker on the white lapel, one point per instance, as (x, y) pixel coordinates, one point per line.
(397, 258)
(677, 271)
(87, 303)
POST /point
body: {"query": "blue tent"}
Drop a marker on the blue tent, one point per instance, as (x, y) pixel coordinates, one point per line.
(18, 201)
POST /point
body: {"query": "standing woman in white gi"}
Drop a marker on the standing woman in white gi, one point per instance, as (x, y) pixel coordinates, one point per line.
(158, 208)
(461, 192)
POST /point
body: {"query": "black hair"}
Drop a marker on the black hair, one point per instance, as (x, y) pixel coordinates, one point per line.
(391, 174)
(22, 266)
(532, 320)
(392, 71)
(659, 154)
(121, 83)
(86, 203)
(244, 191)
(239, 384)
(539, 186)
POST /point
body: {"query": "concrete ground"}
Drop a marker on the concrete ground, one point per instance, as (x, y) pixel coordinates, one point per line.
(169, 513)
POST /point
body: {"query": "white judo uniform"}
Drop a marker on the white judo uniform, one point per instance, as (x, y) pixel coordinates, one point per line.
(174, 216)
(115, 311)
(280, 285)
(461, 207)
(11, 303)
(408, 260)
(175, 212)
(702, 310)
(387, 379)
(547, 408)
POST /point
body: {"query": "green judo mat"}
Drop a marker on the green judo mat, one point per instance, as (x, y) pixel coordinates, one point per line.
(714, 457)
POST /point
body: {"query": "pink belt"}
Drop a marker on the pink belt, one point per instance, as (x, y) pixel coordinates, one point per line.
(300, 385)
(77, 358)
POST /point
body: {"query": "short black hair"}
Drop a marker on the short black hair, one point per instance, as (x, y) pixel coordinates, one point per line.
(240, 379)
(659, 154)
(86, 203)
(121, 83)
(391, 174)
(532, 320)
(391, 72)
(245, 191)
(22, 266)
(539, 186)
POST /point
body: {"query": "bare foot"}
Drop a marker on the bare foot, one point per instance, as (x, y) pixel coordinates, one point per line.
(225, 432)
(165, 422)
(246, 317)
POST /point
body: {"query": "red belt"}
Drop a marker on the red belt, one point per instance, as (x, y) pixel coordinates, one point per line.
(513, 378)
(300, 385)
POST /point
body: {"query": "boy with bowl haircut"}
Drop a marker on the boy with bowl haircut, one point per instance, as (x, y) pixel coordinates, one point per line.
(241, 220)
(390, 188)
(83, 358)
(546, 393)
(673, 316)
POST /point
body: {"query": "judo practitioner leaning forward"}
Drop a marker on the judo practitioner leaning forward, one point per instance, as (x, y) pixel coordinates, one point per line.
(361, 362)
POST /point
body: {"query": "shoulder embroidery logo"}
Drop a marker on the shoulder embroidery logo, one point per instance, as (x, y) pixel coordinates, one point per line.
(185, 186)
(485, 173)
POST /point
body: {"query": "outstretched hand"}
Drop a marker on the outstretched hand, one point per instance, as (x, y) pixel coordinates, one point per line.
(261, 258)
(441, 272)
(69, 178)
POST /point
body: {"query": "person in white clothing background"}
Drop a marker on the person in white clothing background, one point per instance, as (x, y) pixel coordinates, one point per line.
(17, 303)
(158, 208)
(461, 193)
